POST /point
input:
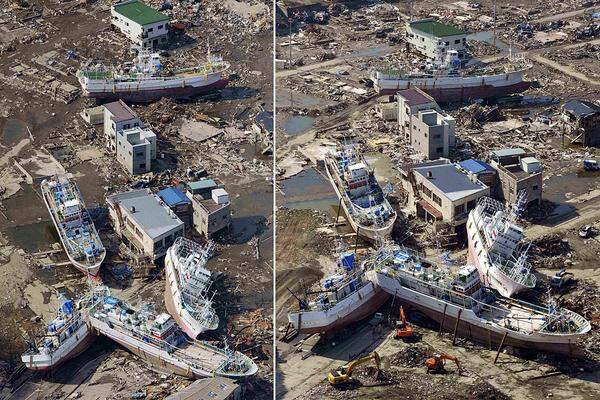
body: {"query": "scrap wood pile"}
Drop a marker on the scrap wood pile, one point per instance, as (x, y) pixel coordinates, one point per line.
(414, 355)
(586, 302)
(475, 115)
(550, 251)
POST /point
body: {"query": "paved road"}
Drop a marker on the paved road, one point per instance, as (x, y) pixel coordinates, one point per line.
(565, 15)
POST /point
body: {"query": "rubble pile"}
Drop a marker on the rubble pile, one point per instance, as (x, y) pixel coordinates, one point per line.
(412, 356)
(585, 301)
(475, 115)
(550, 251)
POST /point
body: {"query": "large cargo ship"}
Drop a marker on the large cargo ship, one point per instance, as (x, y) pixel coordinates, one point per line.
(457, 85)
(345, 298)
(67, 335)
(362, 198)
(73, 223)
(187, 286)
(497, 250)
(145, 80)
(157, 340)
(459, 301)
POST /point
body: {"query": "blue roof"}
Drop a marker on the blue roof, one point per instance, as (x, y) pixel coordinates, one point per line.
(173, 196)
(203, 184)
(475, 166)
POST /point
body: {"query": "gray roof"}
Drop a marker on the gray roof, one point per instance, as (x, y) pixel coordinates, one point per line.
(217, 388)
(120, 111)
(581, 108)
(516, 151)
(450, 180)
(150, 214)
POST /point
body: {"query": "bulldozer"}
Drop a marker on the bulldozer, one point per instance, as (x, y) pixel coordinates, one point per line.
(343, 374)
(436, 364)
(403, 328)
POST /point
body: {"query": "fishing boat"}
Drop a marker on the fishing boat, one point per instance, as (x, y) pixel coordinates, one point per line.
(459, 302)
(66, 336)
(145, 80)
(156, 338)
(497, 250)
(450, 83)
(344, 298)
(187, 286)
(361, 197)
(73, 223)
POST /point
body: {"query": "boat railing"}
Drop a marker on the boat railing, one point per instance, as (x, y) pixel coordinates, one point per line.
(408, 280)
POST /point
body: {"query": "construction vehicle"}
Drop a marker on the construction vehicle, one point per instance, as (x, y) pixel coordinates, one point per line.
(403, 329)
(561, 278)
(343, 374)
(436, 364)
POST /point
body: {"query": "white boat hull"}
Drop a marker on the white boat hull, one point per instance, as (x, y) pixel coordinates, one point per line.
(192, 327)
(372, 235)
(91, 269)
(490, 275)
(471, 326)
(353, 308)
(71, 347)
(455, 88)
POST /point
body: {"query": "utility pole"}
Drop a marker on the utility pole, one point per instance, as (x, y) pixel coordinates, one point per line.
(494, 22)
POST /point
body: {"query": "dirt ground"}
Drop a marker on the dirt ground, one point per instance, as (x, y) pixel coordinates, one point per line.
(41, 134)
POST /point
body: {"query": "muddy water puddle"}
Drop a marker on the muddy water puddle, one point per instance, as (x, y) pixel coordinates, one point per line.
(33, 237)
(297, 124)
(13, 131)
(309, 190)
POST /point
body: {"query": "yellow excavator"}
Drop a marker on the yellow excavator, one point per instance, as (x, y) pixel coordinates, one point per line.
(344, 373)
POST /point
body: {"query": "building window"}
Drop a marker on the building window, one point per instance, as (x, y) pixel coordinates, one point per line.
(139, 154)
(126, 126)
(457, 41)
(437, 200)
(143, 166)
(437, 136)
(439, 150)
(535, 187)
(447, 43)
(471, 205)
(150, 29)
(158, 28)
(459, 209)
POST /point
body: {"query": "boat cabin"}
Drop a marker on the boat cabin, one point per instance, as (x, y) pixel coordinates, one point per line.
(162, 327)
(505, 236)
(467, 281)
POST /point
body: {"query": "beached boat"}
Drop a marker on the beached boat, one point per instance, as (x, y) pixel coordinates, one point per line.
(158, 340)
(345, 297)
(363, 200)
(497, 250)
(458, 301)
(67, 335)
(145, 80)
(73, 223)
(187, 285)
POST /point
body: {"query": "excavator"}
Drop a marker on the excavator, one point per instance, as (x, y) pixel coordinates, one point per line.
(436, 363)
(403, 328)
(343, 374)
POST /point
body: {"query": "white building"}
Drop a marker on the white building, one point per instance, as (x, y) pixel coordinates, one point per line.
(432, 133)
(144, 222)
(410, 102)
(136, 148)
(118, 116)
(143, 25)
(434, 39)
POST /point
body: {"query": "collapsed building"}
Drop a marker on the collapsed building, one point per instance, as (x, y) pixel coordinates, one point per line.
(581, 121)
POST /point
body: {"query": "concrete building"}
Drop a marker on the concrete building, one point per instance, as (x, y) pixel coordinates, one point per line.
(432, 134)
(517, 171)
(177, 201)
(136, 148)
(118, 116)
(434, 39)
(439, 191)
(144, 222)
(93, 115)
(143, 25)
(483, 171)
(410, 102)
(211, 205)
(216, 388)
(581, 121)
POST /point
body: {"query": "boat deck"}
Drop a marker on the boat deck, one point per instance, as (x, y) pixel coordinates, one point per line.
(208, 359)
(513, 316)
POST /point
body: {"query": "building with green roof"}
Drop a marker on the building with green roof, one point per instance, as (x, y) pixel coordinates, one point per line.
(143, 25)
(434, 39)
